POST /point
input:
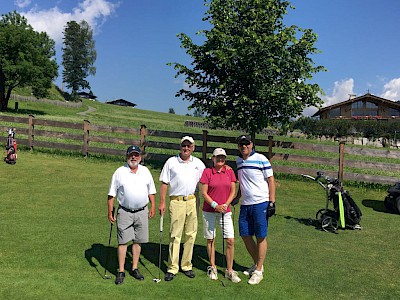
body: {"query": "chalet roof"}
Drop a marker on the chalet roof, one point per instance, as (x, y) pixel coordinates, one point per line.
(366, 97)
(121, 102)
(87, 95)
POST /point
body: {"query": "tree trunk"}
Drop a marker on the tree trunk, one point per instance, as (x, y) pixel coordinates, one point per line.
(3, 98)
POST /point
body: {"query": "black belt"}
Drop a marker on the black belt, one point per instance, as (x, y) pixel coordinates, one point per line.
(133, 211)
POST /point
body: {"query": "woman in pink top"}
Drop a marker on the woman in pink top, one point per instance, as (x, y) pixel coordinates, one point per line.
(218, 189)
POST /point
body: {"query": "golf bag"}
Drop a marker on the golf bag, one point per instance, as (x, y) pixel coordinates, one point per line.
(345, 211)
(392, 200)
(352, 212)
(11, 148)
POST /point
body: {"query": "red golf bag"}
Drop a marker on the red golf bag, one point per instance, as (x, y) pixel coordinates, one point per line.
(11, 148)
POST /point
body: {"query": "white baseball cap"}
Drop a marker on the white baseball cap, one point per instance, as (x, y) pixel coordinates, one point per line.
(187, 138)
(219, 151)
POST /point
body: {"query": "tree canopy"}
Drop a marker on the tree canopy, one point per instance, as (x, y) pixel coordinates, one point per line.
(79, 56)
(26, 58)
(251, 71)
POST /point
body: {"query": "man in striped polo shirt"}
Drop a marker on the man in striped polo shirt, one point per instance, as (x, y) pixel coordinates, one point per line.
(257, 190)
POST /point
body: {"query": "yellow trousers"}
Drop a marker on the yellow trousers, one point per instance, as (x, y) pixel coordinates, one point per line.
(183, 218)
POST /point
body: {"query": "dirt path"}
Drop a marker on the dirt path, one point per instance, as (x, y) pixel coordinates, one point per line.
(90, 109)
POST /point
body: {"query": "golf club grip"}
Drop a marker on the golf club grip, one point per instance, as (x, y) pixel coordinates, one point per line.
(161, 222)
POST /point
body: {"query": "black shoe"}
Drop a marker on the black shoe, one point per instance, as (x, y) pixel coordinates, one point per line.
(136, 274)
(120, 278)
(169, 276)
(189, 273)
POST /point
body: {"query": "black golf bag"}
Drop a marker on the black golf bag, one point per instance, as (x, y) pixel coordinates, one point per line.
(330, 218)
(11, 148)
(352, 213)
(392, 200)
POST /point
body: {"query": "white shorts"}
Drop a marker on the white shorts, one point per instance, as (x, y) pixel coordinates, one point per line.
(210, 219)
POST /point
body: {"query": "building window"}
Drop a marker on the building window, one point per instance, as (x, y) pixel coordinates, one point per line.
(371, 109)
(371, 105)
(394, 112)
(359, 110)
(335, 112)
(357, 105)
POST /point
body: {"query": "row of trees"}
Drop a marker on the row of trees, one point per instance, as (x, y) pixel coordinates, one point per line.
(27, 57)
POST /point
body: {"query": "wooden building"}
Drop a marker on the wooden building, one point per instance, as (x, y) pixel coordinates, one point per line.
(87, 95)
(121, 102)
(364, 107)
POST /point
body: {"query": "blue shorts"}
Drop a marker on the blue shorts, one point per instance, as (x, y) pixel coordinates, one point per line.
(253, 220)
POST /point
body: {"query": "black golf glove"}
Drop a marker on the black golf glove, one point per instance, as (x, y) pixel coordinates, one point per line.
(235, 201)
(271, 209)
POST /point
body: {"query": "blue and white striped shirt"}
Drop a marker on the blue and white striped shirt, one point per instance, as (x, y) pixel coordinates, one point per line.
(252, 174)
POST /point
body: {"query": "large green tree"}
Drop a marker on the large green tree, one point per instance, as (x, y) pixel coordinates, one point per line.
(26, 58)
(79, 56)
(251, 71)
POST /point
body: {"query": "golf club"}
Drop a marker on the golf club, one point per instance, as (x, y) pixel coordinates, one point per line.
(223, 250)
(157, 280)
(107, 255)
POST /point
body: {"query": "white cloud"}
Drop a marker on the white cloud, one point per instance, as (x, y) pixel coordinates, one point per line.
(341, 92)
(391, 90)
(22, 3)
(54, 20)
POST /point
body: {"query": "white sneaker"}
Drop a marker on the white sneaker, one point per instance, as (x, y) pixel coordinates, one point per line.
(232, 276)
(212, 273)
(250, 270)
(256, 277)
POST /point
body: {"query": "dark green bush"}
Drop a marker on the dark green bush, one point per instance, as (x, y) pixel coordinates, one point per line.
(340, 128)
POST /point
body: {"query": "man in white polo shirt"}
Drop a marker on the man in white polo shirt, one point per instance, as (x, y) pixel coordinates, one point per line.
(134, 187)
(182, 174)
(257, 190)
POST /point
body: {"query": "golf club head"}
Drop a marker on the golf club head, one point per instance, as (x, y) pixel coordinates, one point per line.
(156, 280)
(107, 277)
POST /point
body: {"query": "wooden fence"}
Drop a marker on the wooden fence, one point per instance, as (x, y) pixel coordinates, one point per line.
(153, 143)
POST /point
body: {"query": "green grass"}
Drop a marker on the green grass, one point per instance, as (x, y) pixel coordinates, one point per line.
(55, 233)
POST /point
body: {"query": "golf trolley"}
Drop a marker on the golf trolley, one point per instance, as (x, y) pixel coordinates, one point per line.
(392, 200)
(345, 212)
(11, 148)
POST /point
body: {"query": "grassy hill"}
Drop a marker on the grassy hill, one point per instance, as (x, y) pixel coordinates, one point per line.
(97, 112)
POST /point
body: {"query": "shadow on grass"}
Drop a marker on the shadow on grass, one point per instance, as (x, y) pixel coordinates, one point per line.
(376, 205)
(306, 221)
(26, 112)
(104, 259)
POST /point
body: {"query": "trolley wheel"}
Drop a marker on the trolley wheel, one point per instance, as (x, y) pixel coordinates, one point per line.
(319, 214)
(329, 224)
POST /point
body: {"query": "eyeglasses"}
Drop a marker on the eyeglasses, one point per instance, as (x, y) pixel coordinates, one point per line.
(220, 157)
(186, 146)
(244, 144)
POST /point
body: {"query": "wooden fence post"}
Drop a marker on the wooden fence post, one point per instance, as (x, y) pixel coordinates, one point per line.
(31, 127)
(85, 147)
(143, 134)
(270, 145)
(341, 160)
(204, 149)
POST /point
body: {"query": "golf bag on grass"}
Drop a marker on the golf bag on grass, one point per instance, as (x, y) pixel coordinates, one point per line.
(11, 148)
(392, 200)
(345, 211)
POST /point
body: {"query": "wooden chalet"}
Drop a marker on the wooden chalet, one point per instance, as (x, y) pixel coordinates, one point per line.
(366, 107)
(121, 102)
(87, 95)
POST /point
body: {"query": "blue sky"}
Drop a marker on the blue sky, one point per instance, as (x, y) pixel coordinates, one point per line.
(136, 39)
